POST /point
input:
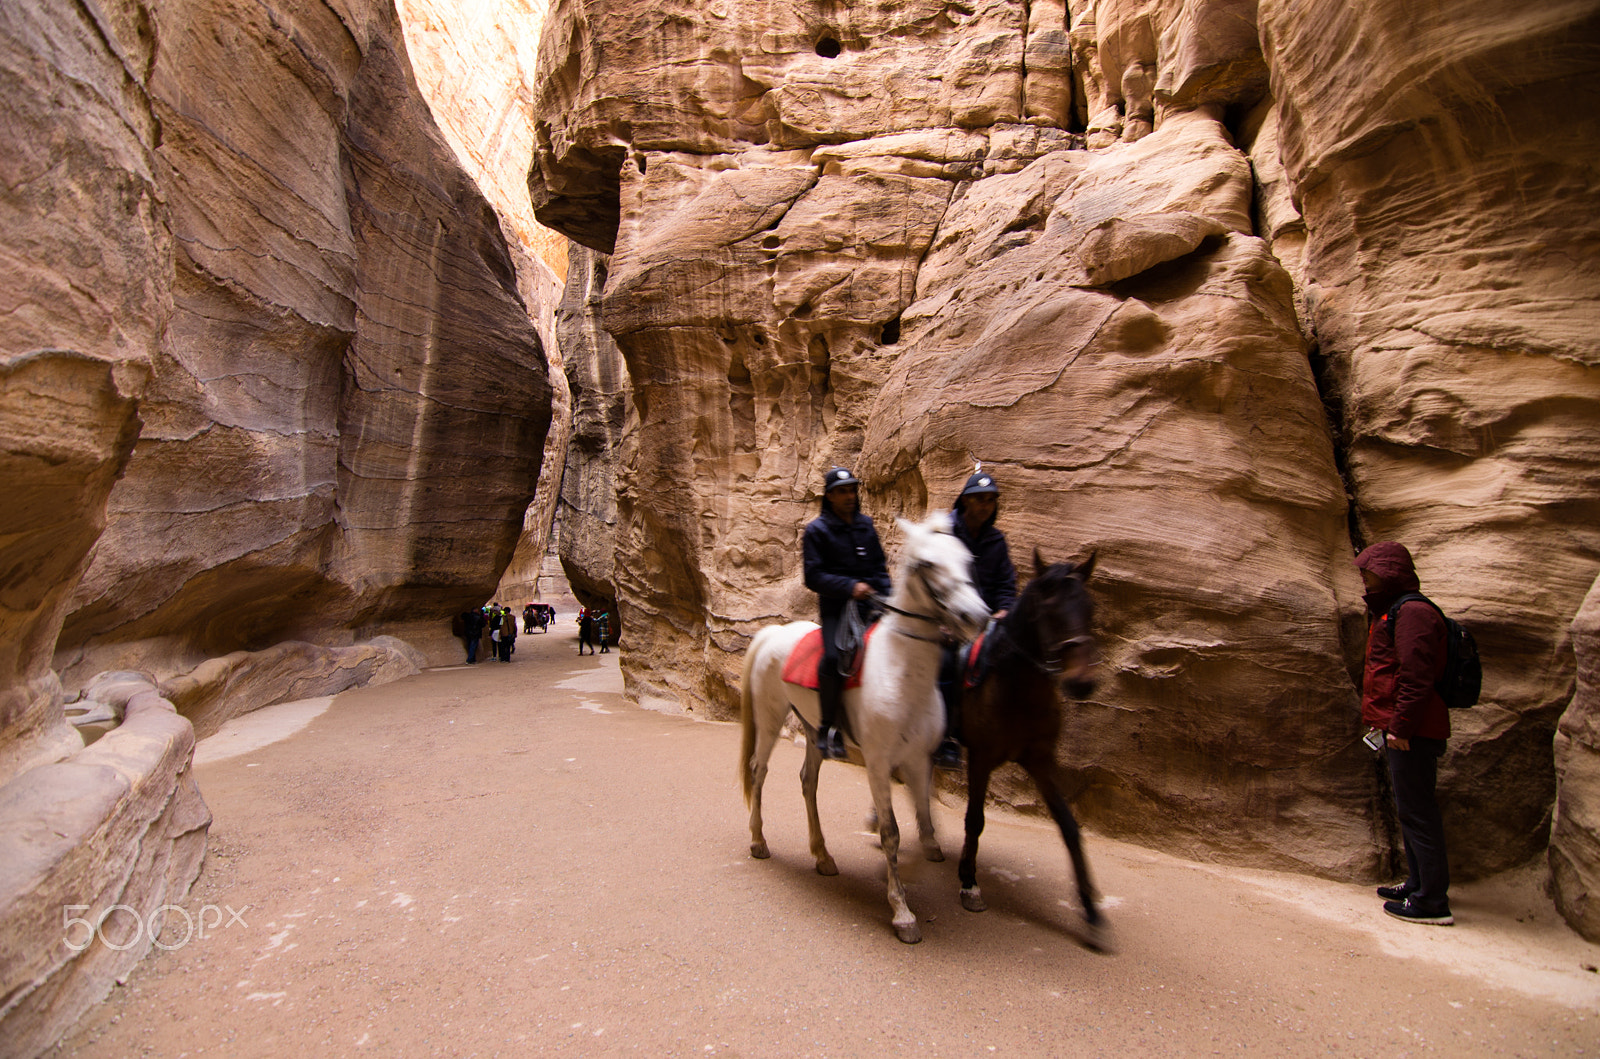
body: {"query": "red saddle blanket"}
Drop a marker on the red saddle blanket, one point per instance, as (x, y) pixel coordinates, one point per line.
(972, 671)
(801, 667)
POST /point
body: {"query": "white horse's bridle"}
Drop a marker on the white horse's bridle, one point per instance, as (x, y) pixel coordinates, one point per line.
(917, 568)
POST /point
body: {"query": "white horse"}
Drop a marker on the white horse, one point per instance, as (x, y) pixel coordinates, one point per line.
(896, 716)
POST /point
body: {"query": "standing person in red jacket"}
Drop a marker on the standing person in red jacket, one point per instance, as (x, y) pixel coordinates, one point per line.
(1405, 658)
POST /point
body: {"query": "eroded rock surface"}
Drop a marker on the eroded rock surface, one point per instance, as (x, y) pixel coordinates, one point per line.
(268, 376)
(1575, 836)
(1451, 237)
(344, 423)
(118, 824)
(1222, 289)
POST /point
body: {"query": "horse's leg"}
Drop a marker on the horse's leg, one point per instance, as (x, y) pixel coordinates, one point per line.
(919, 781)
(978, 772)
(808, 785)
(1042, 768)
(905, 923)
(766, 738)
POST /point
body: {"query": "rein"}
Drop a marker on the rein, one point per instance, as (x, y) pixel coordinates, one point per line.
(886, 605)
(1053, 663)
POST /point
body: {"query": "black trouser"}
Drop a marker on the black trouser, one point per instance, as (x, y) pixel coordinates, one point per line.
(1414, 774)
(951, 680)
(830, 682)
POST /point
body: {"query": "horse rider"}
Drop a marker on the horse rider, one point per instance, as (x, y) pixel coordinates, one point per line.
(972, 521)
(844, 566)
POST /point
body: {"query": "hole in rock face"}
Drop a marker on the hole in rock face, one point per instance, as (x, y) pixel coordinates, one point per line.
(639, 163)
(891, 332)
(770, 243)
(828, 48)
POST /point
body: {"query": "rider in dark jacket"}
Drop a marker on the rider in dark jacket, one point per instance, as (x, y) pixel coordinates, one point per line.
(844, 565)
(972, 521)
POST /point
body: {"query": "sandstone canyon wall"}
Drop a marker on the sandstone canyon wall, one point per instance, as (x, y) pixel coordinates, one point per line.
(475, 62)
(270, 389)
(1219, 288)
(1575, 834)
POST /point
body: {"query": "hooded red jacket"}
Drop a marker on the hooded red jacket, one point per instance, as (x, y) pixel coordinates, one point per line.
(1403, 663)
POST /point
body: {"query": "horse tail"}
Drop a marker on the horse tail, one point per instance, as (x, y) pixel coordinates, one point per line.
(747, 716)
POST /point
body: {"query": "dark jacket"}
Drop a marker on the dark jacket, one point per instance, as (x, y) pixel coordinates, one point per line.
(992, 572)
(1403, 662)
(472, 622)
(838, 554)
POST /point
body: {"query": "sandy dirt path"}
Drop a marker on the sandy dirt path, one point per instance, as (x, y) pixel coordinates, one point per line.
(509, 860)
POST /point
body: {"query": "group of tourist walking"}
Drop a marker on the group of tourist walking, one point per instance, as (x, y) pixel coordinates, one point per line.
(492, 626)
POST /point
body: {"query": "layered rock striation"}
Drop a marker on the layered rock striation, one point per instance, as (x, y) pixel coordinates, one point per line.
(1575, 834)
(348, 407)
(1451, 239)
(1223, 290)
(270, 388)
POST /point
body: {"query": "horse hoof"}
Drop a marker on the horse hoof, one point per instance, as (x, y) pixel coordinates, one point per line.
(933, 853)
(972, 901)
(909, 933)
(826, 866)
(759, 850)
(1097, 936)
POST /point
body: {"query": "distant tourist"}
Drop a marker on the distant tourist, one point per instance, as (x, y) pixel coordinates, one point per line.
(508, 633)
(585, 631)
(602, 631)
(471, 623)
(1406, 655)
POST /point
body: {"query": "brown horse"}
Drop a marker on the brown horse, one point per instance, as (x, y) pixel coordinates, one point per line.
(1015, 713)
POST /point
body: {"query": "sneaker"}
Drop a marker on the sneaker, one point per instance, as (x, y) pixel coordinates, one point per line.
(1396, 893)
(1412, 911)
(948, 756)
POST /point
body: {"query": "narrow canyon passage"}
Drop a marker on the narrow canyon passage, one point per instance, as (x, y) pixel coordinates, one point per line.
(512, 860)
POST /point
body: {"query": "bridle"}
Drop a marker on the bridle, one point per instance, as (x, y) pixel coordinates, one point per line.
(918, 569)
(1053, 662)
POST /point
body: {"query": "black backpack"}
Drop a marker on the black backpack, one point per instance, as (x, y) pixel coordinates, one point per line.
(1462, 679)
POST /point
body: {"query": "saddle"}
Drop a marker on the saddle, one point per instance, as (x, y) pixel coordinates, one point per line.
(801, 667)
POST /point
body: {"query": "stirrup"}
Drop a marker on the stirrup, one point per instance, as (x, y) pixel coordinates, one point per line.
(948, 754)
(830, 741)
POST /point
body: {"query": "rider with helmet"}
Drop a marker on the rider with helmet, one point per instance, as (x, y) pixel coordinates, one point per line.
(972, 521)
(844, 565)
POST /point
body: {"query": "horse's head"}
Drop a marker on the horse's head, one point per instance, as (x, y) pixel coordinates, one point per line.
(936, 572)
(1061, 612)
